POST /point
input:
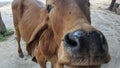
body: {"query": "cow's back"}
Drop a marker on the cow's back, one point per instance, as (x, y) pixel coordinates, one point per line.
(29, 14)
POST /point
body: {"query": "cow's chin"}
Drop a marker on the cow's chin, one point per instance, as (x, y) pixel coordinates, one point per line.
(95, 66)
(69, 59)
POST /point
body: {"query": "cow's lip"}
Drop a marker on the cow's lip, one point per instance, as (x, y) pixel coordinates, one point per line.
(93, 66)
(86, 63)
(90, 62)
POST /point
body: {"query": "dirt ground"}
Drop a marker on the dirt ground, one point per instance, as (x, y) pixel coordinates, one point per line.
(104, 20)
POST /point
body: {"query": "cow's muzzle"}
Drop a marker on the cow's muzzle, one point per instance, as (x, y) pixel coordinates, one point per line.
(80, 42)
(90, 46)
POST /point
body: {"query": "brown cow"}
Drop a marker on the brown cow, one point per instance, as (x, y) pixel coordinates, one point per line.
(59, 32)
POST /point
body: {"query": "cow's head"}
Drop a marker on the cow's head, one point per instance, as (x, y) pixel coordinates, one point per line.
(80, 44)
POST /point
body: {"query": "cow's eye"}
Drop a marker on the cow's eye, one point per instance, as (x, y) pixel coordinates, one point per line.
(49, 7)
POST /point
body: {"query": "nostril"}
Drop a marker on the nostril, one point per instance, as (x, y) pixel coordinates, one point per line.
(99, 42)
(103, 42)
(70, 41)
(74, 39)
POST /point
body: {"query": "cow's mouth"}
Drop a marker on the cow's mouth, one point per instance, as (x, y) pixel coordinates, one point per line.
(95, 66)
(86, 62)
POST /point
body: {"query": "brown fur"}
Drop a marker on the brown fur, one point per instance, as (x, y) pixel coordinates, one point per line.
(33, 28)
(43, 32)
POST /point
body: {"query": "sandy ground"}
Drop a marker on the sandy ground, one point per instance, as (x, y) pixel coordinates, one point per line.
(104, 20)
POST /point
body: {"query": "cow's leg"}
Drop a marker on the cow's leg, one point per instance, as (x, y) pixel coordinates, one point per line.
(18, 38)
(52, 66)
(53, 63)
(43, 64)
(40, 59)
(59, 65)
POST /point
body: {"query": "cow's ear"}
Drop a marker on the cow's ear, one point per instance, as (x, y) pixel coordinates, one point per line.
(47, 44)
(34, 39)
(37, 32)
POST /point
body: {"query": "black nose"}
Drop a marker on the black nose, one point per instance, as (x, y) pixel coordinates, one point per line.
(85, 42)
(73, 39)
